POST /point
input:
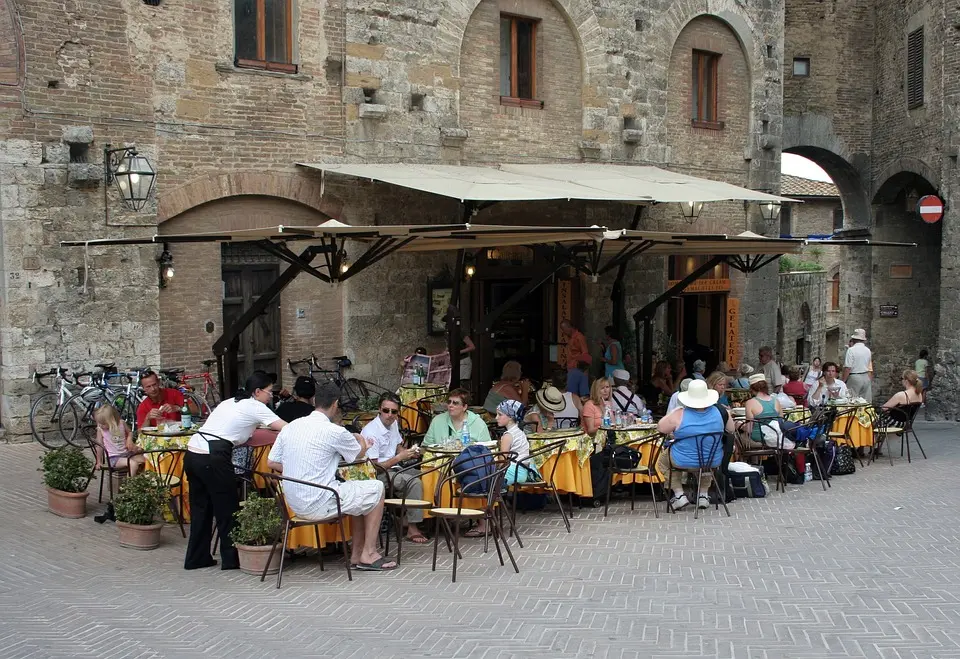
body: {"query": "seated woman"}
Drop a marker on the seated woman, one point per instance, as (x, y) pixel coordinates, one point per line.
(912, 391)
(509, 387)
(743, 382)
(449, 425)
(794, 387)
(718, 382)
(549, 403)
(762, 407)
(827, 387)
(698, 414)
(116, 440)
(663, 378)
(600, 401)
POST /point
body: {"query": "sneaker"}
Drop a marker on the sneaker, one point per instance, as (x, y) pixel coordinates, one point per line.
(679, 502)
(703, 501)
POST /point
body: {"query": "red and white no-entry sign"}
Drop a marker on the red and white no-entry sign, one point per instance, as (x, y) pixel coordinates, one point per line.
(930, 208)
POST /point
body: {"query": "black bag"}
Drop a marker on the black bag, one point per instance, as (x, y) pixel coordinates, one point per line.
(791, 473)
(625, 457)
(748, 484)
(601, 472)
(827, 452)
(844, 463)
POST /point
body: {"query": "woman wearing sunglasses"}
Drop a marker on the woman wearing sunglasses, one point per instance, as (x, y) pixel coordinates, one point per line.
(383, 434)
(449, 425)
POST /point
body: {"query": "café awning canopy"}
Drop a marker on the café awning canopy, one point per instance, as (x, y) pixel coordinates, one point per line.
(632, 184)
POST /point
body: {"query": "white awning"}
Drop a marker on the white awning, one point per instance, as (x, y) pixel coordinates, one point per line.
(632, 184)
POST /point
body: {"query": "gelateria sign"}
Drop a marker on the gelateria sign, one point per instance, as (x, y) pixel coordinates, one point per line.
(733, 332)
(703, 286)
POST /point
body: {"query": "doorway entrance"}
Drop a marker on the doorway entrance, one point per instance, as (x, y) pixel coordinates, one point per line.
(246, 274)
(518, 334)
(698, 325)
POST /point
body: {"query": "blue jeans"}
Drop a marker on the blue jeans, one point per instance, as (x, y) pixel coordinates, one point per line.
(578, 383)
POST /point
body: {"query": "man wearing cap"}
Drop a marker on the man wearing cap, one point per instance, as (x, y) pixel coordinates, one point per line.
(698, 414)
(675, 398)
(623, 397)
(301, 404)
(858, 367)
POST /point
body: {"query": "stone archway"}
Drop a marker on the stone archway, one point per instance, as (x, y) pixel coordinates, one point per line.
(847, 178)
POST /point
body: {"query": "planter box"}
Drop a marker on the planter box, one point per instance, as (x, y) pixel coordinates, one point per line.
(252, 559)
(72, 505)
(138, 536)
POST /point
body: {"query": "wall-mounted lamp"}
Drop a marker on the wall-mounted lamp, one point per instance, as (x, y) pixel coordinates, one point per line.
(770, 210)
(691, 210)
(165, 261)
(469, 265)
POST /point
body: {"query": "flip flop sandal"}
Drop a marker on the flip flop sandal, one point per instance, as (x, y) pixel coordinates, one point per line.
(418, 539)
(473, 533)
(377, 565)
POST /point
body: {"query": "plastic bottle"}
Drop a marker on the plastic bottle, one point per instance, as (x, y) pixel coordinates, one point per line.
(464, 434)
(807, 474)
(606, 417)
(186, 420)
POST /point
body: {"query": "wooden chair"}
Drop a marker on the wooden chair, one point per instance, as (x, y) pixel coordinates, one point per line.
(646, 468)
(541, 483)
(489, 486)
(291, 521)
(709, 456)
(167, 465)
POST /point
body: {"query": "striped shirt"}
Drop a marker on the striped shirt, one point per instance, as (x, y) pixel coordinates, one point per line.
(310, 449)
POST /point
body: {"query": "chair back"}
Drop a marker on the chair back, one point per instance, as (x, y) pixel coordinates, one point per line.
(567, 422)
(656, 441)
(165, 463)
(275, 487)
(703, 451)
(911, 410)
(490, 483)
(543, 454)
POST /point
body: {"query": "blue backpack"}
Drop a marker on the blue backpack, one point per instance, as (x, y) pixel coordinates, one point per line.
(465, 466)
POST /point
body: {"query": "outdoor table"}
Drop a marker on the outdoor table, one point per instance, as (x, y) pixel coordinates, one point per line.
(636, 434)
(409, 395)
(153, 439)
(861, 430)
(573, 464)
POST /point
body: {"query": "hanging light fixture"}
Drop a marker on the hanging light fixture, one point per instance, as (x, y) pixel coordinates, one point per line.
(344, 262)
(770, 210)
(691, 210)
(469, 265)
(131, 173)
(166, 266)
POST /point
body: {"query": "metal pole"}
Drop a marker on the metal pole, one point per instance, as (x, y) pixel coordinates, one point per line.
(453, 322)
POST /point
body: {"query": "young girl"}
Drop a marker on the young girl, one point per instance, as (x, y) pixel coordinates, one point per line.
(115, 438)
(509, 413)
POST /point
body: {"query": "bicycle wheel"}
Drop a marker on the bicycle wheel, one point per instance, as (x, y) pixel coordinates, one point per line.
(353, 392)
(199, 408)
(76, 418)
(45, 421)
(211, 395)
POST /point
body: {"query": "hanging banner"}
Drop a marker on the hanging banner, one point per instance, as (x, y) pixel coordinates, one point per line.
(733, 332)
(564, 312)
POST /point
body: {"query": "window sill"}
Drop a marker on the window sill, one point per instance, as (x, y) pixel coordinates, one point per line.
(229, 67)
(709, 125)
(521, 102)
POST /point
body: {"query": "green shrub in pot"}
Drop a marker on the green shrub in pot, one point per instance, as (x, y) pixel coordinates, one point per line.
(140, 500)
(257, 522)
(67, 469)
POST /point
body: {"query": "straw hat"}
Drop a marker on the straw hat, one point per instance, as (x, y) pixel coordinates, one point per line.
(698, 396)
(859, 335)
(549, 399)
(757, 377)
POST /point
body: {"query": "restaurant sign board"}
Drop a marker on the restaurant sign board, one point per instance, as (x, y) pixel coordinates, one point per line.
(889, 310)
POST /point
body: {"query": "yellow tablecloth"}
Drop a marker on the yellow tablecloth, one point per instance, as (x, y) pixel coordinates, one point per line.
(409, 395)
(168, 464)
(861, 430)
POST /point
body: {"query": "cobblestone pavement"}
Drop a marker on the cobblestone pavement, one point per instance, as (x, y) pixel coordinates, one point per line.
(870, 568)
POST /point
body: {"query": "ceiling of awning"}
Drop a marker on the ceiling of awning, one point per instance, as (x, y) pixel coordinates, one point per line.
(582, 181)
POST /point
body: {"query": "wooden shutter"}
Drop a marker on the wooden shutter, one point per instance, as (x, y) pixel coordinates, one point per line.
(915, 69)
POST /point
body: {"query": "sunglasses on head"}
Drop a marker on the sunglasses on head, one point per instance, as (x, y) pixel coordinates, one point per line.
(384, 410)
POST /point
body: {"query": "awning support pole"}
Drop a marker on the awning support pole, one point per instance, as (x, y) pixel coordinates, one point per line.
(647, 313)
(617, 295)
(453, 321)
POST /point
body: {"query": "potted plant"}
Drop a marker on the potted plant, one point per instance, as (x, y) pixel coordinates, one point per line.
(66, 473)
(137, 507)
(255, 529)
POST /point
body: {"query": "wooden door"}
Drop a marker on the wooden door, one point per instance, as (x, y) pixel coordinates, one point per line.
(260, 342)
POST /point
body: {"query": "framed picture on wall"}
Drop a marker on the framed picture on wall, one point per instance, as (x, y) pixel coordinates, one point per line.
(439, 294)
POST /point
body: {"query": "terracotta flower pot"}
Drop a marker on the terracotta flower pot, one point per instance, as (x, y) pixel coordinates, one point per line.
(67, 504)
(252, 559)
(139, 536)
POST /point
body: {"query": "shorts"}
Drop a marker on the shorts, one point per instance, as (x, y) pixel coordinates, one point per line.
(359, 497)
(114, 459)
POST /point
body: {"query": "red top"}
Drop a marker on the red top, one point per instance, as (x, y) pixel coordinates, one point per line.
(577, 350)
(167, 395)
(795, 388)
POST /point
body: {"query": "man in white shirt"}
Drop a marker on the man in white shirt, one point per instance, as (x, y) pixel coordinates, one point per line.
(828, 386)
(771, 371)
(675, 398)
(623, 397)
(858, 367)
(310, 449)
(383, 435)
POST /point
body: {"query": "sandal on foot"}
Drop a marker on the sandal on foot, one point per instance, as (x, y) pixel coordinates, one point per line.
(379, 565)
(418, 539)
(473, 533)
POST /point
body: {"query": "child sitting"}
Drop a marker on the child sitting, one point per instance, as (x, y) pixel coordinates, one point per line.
(116, 440)
(509, 413)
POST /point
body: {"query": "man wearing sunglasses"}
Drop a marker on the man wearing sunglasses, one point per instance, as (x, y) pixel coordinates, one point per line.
(383, 435)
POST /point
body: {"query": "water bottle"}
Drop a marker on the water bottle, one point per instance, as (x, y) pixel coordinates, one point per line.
(464, 434)
(186, 421)
(807, 474)
(606, 417)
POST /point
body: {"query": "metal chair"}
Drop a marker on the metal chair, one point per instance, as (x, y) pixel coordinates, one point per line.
(291, 521)
(397, 507)
(167, 464)
(106, 469)
(815, 427)
(742, 433)
(493, 484)
(542, 482)
(648, 469)
(847, 417)
(709, 450)
(896, 421)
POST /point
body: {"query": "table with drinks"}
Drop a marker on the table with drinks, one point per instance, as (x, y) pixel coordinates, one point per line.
(410, 396)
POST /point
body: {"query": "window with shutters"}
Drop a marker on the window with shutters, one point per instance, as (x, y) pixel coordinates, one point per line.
(518, 61)
(838, 218)
(835, 292)
(706, 73)
(915, 68)
(263, 34)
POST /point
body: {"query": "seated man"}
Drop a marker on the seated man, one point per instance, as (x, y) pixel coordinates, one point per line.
(383, 435)
(827, 387)
(310, 449)
(301, 405)
(161, 403)
(623, 397)
(698, 414)
(675, 398)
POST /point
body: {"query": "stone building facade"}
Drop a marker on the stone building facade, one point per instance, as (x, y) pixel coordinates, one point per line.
(404, 80)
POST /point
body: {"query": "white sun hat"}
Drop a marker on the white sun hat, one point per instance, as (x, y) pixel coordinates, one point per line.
(698, 396)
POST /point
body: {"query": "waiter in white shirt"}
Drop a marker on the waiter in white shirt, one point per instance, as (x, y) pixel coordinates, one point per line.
(858, 367)
(383, 435)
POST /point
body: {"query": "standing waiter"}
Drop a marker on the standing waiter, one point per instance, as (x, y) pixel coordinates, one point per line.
(858, 367)
(209, 469)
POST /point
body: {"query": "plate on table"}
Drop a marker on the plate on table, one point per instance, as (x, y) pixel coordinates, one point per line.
(167, 432)
(640, 426)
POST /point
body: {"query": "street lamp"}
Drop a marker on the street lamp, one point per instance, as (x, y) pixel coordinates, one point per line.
(770, 210)
(132, 174)
(691, 210)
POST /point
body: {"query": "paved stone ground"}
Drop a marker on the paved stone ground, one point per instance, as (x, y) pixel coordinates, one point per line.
(871, 568)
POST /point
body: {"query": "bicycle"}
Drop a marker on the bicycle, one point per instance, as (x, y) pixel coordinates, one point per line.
(77, 414)
(353, 391)
(45, 412)
(199, 406)
(211, 393)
